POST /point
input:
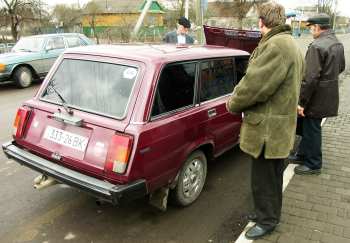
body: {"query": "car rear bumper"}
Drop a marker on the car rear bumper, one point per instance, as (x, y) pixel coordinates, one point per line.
(103, 190)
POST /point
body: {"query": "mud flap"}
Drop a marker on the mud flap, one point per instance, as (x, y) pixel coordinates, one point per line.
(159, 198)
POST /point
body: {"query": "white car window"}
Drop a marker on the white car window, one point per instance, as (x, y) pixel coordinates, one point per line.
(74, 41)
(55, 43)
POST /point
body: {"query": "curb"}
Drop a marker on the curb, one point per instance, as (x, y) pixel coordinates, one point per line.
(287, 176)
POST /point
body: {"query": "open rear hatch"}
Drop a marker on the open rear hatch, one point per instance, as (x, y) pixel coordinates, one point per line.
(245, 40)
(81, 117)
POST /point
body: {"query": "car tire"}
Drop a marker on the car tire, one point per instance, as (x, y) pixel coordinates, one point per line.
(23, 77)
(191, 179)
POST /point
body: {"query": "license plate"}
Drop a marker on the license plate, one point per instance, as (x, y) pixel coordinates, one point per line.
(65, 138)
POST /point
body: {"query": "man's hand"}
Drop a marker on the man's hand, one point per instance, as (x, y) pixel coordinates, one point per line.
(301, 111)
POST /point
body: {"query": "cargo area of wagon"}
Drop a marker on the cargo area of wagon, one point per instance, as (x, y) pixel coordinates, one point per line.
(245, 40)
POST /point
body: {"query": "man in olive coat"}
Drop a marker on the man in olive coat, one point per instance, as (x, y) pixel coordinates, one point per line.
(268, 97)
(319, 95)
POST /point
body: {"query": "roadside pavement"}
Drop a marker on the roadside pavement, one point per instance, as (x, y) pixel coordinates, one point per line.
(316, 208)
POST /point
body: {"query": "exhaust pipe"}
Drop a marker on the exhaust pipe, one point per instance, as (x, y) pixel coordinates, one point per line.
(43, 181)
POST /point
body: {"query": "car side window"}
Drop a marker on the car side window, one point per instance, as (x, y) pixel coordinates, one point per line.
(55, 43)
(241, 67)
(217, 78)
(175, 88)
(74, 41)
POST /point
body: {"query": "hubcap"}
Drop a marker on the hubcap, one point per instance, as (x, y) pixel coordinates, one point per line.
(193, 178)
(25, 78)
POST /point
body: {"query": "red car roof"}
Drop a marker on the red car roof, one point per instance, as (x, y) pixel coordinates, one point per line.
(158, 53)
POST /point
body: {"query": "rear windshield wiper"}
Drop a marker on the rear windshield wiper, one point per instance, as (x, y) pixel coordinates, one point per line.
(63, 101)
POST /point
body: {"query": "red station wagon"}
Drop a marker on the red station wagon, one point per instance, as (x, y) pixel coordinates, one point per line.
(125, 121)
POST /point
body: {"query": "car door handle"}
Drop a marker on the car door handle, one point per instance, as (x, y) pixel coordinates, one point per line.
(211, 113)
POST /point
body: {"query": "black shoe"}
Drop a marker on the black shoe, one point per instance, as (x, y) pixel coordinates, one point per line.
(304, 170)
(257, 232)
(252, 216)
(295, 159)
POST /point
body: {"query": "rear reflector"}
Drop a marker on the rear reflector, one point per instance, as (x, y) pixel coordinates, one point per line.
(118, 153)
(20, 122)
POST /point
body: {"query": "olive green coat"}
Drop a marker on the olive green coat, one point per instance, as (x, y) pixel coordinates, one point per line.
(268, 95)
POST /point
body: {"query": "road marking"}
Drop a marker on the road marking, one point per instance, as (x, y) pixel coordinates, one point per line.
(241, 238)
(287, 176)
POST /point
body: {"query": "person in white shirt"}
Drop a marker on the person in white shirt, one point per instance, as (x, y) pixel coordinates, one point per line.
(180, 36)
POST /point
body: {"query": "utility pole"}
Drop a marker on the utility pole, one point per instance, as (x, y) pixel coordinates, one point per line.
(186, 8)
(141, 18)
(335, 13)
(199, 21)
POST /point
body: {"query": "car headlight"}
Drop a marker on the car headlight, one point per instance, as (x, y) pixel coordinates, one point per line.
(2, 67)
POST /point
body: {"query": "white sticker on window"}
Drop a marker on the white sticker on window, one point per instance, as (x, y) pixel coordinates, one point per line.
(130, 73)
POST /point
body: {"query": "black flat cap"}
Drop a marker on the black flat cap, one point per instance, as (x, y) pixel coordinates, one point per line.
(184, 22)
(321, 19)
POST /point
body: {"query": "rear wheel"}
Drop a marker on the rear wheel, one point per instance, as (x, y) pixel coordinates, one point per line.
(23, 77)
(191, 179)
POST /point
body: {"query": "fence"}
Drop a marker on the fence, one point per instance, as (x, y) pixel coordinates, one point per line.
(6, 47)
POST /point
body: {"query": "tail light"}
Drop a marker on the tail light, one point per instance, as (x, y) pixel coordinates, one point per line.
(20, 122)
(118, 153)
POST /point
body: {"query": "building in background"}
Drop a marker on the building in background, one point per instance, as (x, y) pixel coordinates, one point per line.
(120, 17)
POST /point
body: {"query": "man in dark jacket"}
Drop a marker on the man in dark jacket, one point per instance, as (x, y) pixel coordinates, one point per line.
(180, 36)
(319, 95)
(268, 97)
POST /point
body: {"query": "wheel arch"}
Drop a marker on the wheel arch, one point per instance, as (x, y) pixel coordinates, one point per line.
(207, 148)
(30, 67)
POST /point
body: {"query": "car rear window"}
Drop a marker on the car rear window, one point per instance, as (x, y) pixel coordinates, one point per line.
(97, 87)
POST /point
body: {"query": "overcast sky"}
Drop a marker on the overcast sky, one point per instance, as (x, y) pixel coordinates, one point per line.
(343, 5)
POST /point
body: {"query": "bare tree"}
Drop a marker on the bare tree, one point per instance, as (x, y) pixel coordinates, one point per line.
(4, 22)
(67, 16)
(126, 29)
(178, 10)
(18, 11)
(242, 7)
(326, 6)
(91, 11)
(234, 13)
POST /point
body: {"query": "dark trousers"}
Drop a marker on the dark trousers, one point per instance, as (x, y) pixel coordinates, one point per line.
(310, 147)
(267, 182)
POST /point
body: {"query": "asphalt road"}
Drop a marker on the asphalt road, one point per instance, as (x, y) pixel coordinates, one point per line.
(63, 214)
